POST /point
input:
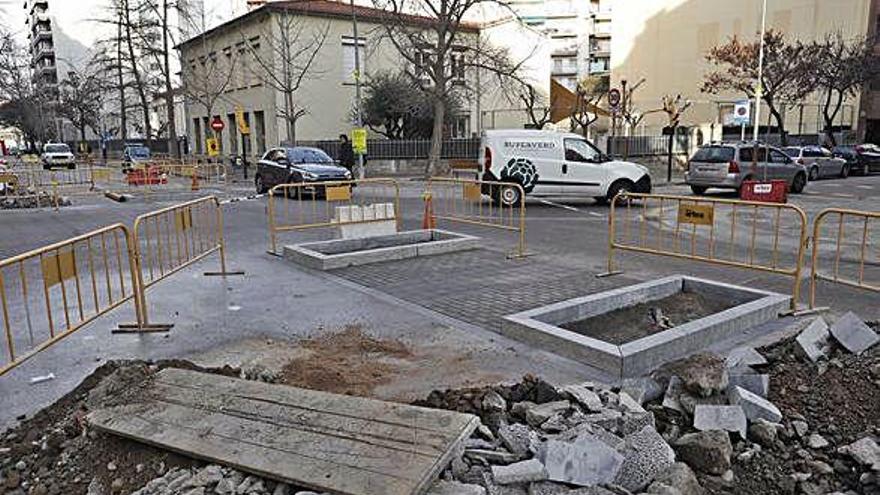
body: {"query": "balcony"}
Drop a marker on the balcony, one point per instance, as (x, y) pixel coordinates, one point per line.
(602, 15)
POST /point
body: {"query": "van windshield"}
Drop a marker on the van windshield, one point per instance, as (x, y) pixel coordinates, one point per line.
(713, 154)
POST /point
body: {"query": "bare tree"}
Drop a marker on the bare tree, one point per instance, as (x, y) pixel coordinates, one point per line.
(588, 95)
(674, 107)
(160, 53)
(538, 109)
(287, 60)
(784, 62)
(439, 49)
(81, 94)
(839, 69)
(23, 104)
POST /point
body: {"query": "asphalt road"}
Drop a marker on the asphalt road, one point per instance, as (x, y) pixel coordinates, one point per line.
(276, 299)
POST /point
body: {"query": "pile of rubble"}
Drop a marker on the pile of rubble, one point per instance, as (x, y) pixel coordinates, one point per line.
(32, 199)
(700, 425)
(210, 480)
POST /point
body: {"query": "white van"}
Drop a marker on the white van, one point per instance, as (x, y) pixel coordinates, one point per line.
(550, 163)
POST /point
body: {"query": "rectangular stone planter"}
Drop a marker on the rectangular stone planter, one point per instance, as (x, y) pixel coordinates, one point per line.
(340, 253)
(541, 326)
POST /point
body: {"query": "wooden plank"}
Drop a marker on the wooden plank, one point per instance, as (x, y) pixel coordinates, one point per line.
(335, 443)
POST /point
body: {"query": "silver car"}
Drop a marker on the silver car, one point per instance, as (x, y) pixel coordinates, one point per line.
(728, 165)
(819, 161)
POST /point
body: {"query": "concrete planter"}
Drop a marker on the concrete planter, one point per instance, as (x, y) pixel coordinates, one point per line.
(341, 253)
(541, 326)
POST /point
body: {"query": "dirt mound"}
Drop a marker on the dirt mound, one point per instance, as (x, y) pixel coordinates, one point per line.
(54, 453)
(349, 362)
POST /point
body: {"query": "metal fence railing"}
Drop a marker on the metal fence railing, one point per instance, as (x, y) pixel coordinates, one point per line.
(386, 149)
(845, 250)
(648, 145)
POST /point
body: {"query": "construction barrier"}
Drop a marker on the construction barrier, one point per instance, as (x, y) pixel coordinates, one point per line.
(48, 293)
(499, 205)
(767, 237)
(850, 241)
(306, 206)
(164, 177)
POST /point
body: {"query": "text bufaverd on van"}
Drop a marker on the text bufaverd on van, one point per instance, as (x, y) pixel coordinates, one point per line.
(550, 163)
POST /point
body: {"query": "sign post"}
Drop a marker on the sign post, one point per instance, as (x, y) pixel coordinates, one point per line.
(741, 116)
(614, 105)
(244, 129)
(359, 141)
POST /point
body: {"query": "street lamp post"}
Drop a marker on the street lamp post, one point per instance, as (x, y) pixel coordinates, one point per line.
(357, 84)
(759, 90)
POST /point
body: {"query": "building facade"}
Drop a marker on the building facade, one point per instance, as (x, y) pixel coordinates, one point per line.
(665, 42)
(241, 50)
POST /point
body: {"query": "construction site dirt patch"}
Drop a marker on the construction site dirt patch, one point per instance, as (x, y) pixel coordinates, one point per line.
(349, 362)
(631, 323)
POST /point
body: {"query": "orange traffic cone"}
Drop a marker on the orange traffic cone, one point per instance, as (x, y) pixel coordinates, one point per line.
(428, 221)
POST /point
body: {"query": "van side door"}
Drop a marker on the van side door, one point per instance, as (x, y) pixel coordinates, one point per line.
(583, 172)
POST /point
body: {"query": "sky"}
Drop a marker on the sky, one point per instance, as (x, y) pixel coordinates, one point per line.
(75, 17)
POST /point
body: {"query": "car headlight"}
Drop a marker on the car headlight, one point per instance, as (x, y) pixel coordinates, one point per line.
(348, 175)
(309, 176)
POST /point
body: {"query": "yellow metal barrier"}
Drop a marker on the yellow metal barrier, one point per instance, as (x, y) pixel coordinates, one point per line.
(48, 293)
(767, 237)
(317, 205)
(500, 205)
(159, 176)
(855, 263)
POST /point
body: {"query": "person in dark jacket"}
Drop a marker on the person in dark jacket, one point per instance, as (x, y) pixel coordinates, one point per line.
(346, 153)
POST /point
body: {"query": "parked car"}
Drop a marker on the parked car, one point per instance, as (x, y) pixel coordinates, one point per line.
(134, 156)
(819, 161)
(57, 155)
(297, 165)
(863, 159)
(728, 165)
(549, 163)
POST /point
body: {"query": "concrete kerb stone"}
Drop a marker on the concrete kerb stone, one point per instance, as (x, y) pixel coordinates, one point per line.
(725, 418)
(744, 356)
(853, 334)
(540, 326)
(520, 472)
(754, 406)
(813, 342)
(758, 384)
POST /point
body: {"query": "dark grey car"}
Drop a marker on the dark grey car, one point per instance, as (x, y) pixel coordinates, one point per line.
(297, 165)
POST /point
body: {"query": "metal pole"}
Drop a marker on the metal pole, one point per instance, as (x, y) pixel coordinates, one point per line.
(760, 90)
(357, 84)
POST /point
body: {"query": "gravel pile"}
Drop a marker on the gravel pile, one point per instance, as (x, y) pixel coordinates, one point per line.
(32, 200)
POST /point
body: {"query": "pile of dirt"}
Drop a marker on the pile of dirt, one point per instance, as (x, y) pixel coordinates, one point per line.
(349, 362)
(54, 453)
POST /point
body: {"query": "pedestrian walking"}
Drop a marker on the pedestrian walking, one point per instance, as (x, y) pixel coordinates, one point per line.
(346, 153)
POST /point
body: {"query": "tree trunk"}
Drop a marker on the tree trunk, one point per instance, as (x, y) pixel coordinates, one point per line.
(829, 114)
(169, 96)
(138, 82)
(436, 137)
(123, 117)
(780, 123)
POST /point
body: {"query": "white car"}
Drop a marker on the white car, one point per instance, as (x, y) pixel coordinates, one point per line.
(550, 163)
(57, 155)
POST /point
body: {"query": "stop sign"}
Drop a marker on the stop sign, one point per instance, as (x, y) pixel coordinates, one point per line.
(217, 124)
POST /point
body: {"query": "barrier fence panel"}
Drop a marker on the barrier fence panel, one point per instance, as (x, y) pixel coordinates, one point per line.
(846, 249)
(499, 205)
(303, 206)
(160, 176)
(767, 237)
(48, 293)
(171, 239)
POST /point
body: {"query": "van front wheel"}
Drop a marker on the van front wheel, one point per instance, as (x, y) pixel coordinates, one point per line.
(507, 195)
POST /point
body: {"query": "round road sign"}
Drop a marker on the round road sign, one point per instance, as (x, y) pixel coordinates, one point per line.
(614, 98)
(217, 124)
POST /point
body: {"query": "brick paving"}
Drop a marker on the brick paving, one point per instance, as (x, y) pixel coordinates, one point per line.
(479, 286)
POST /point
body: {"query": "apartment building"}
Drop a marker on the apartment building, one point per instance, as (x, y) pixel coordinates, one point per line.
(665, 43)
(41, 43)
(326, 95)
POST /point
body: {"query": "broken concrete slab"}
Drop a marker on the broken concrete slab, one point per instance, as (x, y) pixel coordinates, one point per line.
(853, 334)
(646, 455)
(536, 414)
(755, 406)
(865, 451)
(703, 374)
(813, 342)
(455, 488)
(516, 437)
(551, 488)
(706, 451)
(744, 356)
(677, 480)
(492, 456)
(755, 383)
(588, 399)
(642, 390)
(520, 472)
(673, 392)
(587, 461)
(724, 418)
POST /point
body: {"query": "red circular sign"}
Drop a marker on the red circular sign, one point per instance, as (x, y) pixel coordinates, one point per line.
(217, 124)
(614, 97)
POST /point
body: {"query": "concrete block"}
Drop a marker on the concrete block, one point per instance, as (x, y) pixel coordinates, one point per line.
(724, 418)
(537, 414)
(343, 214)
(516, 437)
(644, 389)
(520, 472)
(357, 214)
(589, 400)
(673, 392)
(587, 461)
(754, 406)
(366, 230)
(853, 334)
(864, 451)
(755, 383)
(745, 356)
(369, 213)
(813, 341)
(646, 455)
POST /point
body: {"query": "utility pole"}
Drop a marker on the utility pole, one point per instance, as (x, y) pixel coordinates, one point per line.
(357, 84)
(760, 88)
